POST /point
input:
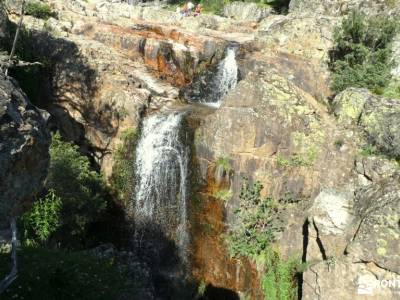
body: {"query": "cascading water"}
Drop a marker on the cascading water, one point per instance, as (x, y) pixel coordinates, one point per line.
(161, 167)
(227, 76)
(212, 86)
(161, 172)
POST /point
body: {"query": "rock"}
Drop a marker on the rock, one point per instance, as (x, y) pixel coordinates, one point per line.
(341, 279)
(246, 11)
(337, 8)
(299, 48)
(396, 57)
(330, 222)
(379, 117)
(378, 236)
(24, 144)
(375, 168)
(4, 27)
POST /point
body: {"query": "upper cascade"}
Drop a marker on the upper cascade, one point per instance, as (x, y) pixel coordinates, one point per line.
(227, 76)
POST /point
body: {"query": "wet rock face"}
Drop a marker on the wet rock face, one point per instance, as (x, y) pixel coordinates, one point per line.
(24, 143)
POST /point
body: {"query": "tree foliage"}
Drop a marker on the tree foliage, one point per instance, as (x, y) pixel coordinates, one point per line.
(362, 53)
(44, 217)
(80, 188)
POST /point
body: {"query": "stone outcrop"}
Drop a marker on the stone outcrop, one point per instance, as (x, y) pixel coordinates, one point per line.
(4, 26)
(378, 117)
(24, 143)
(246, 11)
(336, 7)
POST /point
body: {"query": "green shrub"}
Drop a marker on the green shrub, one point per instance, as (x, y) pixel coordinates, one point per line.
(223, 195)
(256, 229)
(38, 10)
(80, 188)
(124, 163)
(224, 162)
(257, 224)
(278, 282)
(362, 53)
(44, 217)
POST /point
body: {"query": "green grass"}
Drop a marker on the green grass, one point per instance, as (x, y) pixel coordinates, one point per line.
(223, 195)
(45, 274)
(296, 160)
(278, 282)
(224, 162)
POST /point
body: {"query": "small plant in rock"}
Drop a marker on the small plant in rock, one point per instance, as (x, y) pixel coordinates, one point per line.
(368, 150)
(257, 225)
(278, 282)
(44, 217)
(38, 10)
(224, 162)
(223, 195)
(339, 143)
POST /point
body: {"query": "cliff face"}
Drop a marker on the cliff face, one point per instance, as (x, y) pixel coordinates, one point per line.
(24, 143)
(110, 62)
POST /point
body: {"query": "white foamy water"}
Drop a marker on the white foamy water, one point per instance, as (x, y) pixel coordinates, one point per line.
(227, 75)
(161, 172)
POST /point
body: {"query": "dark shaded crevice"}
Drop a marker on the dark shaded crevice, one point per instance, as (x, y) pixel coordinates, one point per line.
(319, 243)
(299, 275)
(218, 293)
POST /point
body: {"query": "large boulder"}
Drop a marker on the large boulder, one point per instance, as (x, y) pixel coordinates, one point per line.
(246, 11)
(24, 143)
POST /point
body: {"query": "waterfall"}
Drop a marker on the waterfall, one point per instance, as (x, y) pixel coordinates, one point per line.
(212, 86)
(161, 173)
(227, 76)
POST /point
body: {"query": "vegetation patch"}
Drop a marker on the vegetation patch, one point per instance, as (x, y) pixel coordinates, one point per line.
(223, 195)
(76, 198)
(124, 163)
(55, 274)
(257, 228)
(362, 53)
(224, 162)
(296, 160)
(43, 219)
(38, 10)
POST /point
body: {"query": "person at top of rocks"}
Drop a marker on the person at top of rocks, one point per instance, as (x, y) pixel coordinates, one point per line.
(186, 9)
(198, 9)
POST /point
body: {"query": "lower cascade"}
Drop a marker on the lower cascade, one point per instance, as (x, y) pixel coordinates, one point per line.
(161, 170)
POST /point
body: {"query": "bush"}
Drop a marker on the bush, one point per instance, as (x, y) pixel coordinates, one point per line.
(362, 53)
(44, 217)
(80, 188)
(256, 229)
(257, 223)
(38, 10)
(278, 282)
